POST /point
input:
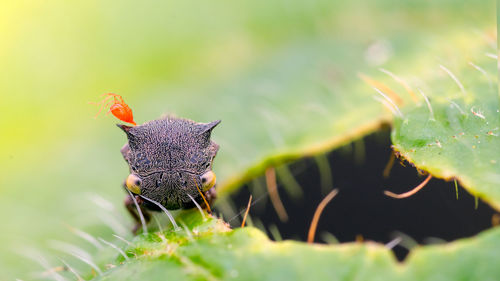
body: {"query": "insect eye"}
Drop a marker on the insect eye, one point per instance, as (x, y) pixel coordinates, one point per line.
(133, 183)
(207, 180)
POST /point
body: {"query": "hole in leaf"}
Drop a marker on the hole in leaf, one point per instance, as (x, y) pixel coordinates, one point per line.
(361, 210)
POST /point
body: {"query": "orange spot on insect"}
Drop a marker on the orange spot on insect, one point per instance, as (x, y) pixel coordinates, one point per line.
(117, 107)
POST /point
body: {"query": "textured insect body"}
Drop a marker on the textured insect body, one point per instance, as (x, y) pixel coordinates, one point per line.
(170, 161)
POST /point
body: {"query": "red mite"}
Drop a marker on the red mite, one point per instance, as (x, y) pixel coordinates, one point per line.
(117, 107)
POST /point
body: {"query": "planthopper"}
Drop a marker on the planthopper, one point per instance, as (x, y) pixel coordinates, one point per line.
(170, 162)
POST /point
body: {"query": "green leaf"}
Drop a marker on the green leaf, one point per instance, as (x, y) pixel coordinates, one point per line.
(460, 138)
(213, 252)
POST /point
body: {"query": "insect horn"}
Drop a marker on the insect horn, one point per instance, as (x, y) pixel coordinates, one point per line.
(206, 129)
(125, 128)
(130, 136)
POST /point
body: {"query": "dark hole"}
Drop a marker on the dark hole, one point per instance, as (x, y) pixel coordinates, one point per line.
(361, 209)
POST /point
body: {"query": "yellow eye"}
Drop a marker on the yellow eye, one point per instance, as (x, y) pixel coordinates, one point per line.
(207, 180)
(133, 183)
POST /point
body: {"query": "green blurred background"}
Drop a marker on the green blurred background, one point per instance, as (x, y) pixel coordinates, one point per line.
(196, 59)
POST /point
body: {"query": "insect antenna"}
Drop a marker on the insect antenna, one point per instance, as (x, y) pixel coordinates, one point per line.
(317, 214)
(172, 220)
(409, 193)
(246, 212)
(202, 196)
